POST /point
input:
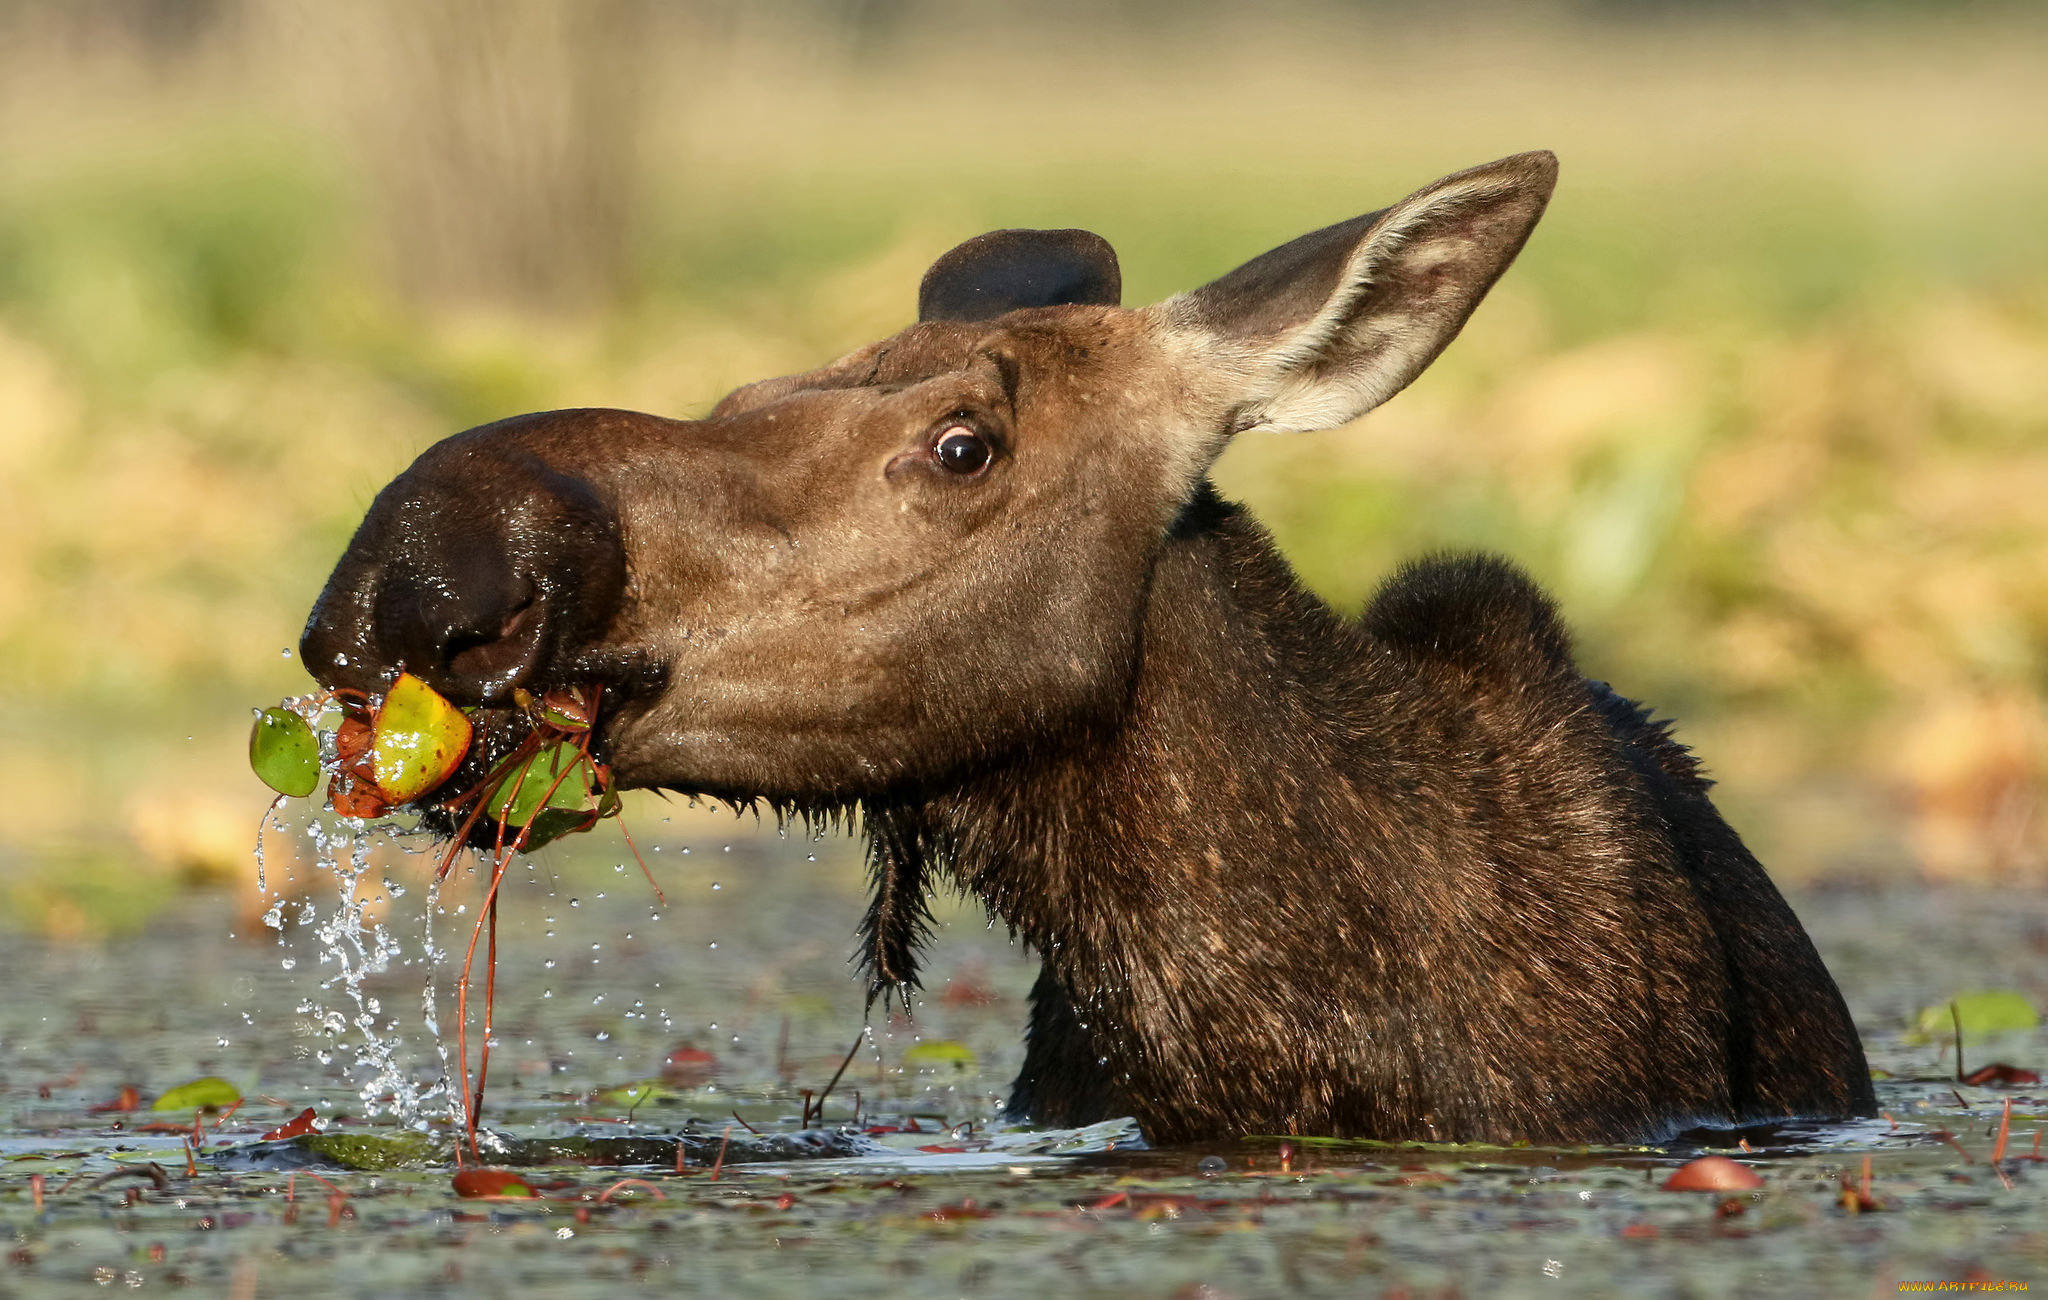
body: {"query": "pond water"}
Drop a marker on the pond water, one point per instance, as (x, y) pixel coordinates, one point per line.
(743, 971)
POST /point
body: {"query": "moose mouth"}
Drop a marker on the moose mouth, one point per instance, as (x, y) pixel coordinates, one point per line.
(520, 758)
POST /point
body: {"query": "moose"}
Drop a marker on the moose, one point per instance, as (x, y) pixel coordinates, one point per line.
(1404, 875)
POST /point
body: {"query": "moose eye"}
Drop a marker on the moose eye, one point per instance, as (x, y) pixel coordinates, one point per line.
(961, 450)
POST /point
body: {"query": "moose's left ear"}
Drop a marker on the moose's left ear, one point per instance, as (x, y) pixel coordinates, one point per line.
(1321, 330)
(1008, 269)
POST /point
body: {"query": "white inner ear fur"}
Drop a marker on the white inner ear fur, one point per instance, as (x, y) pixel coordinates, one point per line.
(1354, 354)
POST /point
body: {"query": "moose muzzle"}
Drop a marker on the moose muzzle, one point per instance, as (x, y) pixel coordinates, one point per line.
(480, 569)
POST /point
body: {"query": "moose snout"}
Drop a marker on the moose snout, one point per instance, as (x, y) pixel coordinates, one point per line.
(482, 568)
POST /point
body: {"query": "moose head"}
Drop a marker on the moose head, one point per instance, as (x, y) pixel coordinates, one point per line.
(928, 554)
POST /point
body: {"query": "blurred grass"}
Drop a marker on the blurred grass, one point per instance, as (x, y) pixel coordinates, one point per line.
(1765, 401)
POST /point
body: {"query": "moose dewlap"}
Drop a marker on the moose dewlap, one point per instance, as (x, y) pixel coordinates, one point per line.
(1404, 875)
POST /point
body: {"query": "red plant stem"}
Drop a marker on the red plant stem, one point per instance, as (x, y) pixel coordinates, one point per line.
(501, 857)
(483, 1062)
(455, 845)
(624, 1183)
(469, 1117)
(1950, 1138)
(719, 1163)
(520, 753)
(857, 1040)
(323, 1182)
(472, 1100)
(659, 897)
(35, 1189)
(743, 1124)
(1998, 1147)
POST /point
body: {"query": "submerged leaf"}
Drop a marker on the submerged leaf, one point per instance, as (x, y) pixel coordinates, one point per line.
(688, 1066)
(940, 1052)
(1713, 1174)
(284, 753)
(130, 1098)
(2000, 1075)
(632, 1096)
(485, 1183)
(209, 1093)
(419, 740)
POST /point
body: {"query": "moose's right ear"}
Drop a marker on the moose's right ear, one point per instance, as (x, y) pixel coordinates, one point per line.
(1005, 270)
(1323, 329)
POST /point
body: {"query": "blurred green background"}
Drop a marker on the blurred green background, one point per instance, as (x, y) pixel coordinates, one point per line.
(1765, 400)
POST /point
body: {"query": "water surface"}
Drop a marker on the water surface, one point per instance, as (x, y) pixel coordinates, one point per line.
(746, 962)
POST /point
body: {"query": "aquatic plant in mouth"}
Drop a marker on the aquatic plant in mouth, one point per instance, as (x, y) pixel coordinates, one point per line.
(403, 751)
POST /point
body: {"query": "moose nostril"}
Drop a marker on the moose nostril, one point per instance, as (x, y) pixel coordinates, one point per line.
(459, 616)
(501, 658)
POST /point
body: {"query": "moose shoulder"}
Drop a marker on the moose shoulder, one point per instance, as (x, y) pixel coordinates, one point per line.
(1408, 875)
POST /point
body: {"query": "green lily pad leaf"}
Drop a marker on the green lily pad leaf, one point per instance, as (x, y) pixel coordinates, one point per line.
(940, 1052)
(520, 795)
(284, 753)
(632, 1096)
(1985, 1011)
(552, 824)
(209, 1093)
(418, 740)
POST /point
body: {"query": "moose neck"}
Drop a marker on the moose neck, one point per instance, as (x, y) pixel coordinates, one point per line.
(1119, 844)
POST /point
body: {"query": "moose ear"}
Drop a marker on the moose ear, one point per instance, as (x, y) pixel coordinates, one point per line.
(1329, 326)
(1008, 269)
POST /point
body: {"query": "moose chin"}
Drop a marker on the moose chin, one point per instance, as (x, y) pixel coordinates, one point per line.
(1403, 875)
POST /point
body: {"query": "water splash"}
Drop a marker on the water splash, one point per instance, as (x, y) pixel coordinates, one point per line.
(355, 945)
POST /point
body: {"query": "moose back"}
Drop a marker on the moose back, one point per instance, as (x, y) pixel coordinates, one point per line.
(1407, 875)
